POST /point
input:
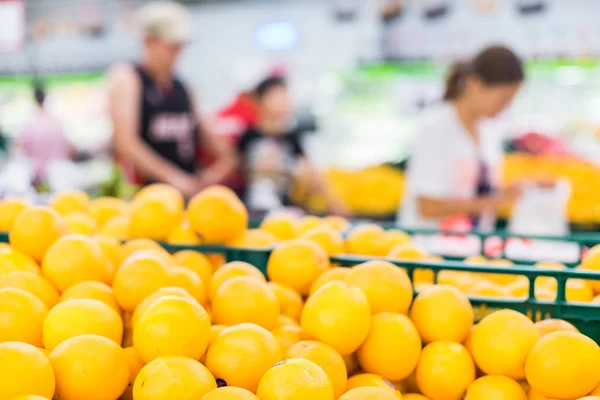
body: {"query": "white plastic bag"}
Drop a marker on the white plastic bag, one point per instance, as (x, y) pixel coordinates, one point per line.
(542, 211)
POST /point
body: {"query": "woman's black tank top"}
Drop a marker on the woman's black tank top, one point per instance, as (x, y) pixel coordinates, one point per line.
(167, 122)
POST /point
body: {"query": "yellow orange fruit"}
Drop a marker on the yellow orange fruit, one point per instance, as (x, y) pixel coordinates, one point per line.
(191, 282)
(408, 251)
(445, 370)
(501, 342)
(110, 247)
(183, 234)
(295, 379)
(563, 365)
(242, 354)
(337, 223)
(366, 240)
(392, 347)
(89, 367)
(327, 238)
(73, 259)
(495, 387)
(217, 215)
(395, 238)
(230, 393)
(24, 369)
(135, 366)
(232, 270)
(174, 378)
(546, 281)
(297, 264)
(368, 393)
(351, 364)
(32, 283)
(413, 396)
(117, 227)
(245, 299)
(488, 289)
(334, 308)
(308, 222)
(325, 357)
(10, 208)
(92, 290)
(139, 278)
(70, 202)
(172, 326)
(81, 317)
(282, 226)
(164, 291)
(154, 218)
(30, 397)
(591, 262)
(21, 317)
(578, 290)
(442, 312)
(333, 274)
(386, 286)
(161, 191)
(547, 326)
(371, 380)
(197, 262)
(103, 209)
(12, 260)
(287, 336)
(81, 223)
(254, 239)
(290, 301)
(35, 230)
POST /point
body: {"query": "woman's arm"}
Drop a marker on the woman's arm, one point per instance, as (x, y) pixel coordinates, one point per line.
(124, 97)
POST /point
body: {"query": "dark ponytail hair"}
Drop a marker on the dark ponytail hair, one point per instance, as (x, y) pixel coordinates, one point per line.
(496, 65)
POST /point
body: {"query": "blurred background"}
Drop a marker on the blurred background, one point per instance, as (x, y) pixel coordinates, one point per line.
(361, 73)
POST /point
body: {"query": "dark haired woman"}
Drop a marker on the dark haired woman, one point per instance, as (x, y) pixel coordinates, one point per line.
(271, 153)
(454, 166)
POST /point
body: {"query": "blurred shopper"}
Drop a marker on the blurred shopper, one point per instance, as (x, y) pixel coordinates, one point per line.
(42, 139)
(272, 153)
(157, 129)
(453, 172)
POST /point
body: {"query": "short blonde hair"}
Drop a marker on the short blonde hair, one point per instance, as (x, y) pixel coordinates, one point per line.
(165, 20)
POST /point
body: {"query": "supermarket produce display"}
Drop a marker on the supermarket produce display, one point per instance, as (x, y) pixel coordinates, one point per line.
(152, 298)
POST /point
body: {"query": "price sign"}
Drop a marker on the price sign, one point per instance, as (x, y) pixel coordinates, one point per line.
(12, 25)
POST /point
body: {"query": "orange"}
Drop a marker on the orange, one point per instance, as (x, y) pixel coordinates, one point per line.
(337, 307)
(71, 201)
(290, 301)
(32, 283)
(110, 248)
(297, 264)
(386, 286)
(80, 317)
(351, 364)
(578, 290)
(488, 289)
(161, 191)
(12, 260)
(245, 299)
(173, 378)
(371, 380)
(535, 395)
(495, 387)
(21, 317)
(442, 312)
(591, 262)
(73, 259)
(285, 320)
(414, 396)
(230, 393)
(117, 227)
(183, 234)
(92, 290)
(24, 369)
(191, 282)
(325, 357)
(35, 230)
(366, 240)
(89, 367)
(103, 209)
(395, 238)
(154, 218)
(231, 270)
(392, 347)
(137, 279)
(135, 245)
(172, 326)
(368, 393)
(333, 274)
(548, 326)
(10, 209)
(445, 370)
(564, 365)
(135, 366)
(545, 281)
(254, 239)
(287, 336)
(328, 239)
(407, 251)
(501, 342)
(30, 397)
(165, 291)
(242, 354)
(217, 215)
(295, 379)
(197, 262)
(337, 223)
(282, 226)
(307, 223)
(81, 223)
